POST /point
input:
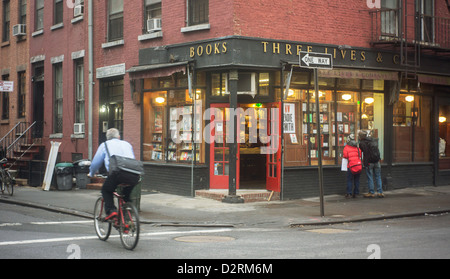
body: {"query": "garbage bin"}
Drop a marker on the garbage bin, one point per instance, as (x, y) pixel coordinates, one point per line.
(81, 170)
(64, 176)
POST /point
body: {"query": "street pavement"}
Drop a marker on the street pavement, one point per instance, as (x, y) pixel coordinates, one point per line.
(171, 210)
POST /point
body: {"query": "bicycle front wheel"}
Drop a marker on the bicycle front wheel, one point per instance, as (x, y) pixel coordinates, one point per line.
(129, 227)
(102, 227)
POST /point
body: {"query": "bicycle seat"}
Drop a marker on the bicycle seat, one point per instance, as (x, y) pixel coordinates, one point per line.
(4, 160)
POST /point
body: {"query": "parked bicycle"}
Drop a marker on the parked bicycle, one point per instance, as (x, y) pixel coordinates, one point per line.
(7, 182)
(126, 222)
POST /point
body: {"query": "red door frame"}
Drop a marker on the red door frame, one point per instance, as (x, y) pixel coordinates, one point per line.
(273, 161)
(217, 178)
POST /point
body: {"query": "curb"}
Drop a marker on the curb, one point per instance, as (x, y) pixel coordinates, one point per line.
(373, 218)
(86, 215)
(193, 224)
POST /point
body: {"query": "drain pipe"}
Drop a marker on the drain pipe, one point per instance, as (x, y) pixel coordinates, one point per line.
(91, 75)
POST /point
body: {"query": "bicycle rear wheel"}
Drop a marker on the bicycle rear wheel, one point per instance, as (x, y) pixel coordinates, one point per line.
(102, 227)
(129, 230)
(8, 183)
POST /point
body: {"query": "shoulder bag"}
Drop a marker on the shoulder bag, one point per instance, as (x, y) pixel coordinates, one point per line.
(118, 164)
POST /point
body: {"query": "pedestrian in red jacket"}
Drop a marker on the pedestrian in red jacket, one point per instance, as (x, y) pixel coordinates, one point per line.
(353, 154)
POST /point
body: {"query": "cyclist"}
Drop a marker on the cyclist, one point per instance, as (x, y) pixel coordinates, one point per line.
(115, 147)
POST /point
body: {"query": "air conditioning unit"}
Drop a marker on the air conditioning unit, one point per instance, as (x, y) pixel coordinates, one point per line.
(78, 128)
(19, 30)
(153, 25)
(78, 10)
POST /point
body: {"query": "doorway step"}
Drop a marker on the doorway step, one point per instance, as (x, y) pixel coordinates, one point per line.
(247, 195)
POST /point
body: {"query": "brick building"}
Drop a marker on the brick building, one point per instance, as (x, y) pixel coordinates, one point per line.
(159, 67)
(14, 64)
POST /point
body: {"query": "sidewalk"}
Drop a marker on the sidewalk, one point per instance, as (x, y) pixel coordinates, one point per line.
(171, 210)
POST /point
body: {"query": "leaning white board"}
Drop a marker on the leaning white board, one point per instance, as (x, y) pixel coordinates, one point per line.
(50, 166)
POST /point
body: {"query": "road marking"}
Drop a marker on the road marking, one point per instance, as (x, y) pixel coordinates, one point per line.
(69, 239)
(61, 222)
(10, 224)
(45, 223)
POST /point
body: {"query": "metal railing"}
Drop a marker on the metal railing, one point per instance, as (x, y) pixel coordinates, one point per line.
(22, 134)
(392, 26)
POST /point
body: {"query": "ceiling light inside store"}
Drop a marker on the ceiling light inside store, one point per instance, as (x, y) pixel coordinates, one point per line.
(346, 97)
(409, 98)
(369, 100)
(442, 119)
(160, 100)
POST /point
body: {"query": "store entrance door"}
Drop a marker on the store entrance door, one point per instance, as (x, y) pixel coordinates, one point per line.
(219, 170)
(273, 148)
(258, 165)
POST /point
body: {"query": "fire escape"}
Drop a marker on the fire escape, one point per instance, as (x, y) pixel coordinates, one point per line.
(412, 29)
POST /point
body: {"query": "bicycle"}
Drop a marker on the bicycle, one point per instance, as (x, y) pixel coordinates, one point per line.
(126, 222)
(7, 181)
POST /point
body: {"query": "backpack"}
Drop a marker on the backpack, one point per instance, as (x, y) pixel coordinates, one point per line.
(357, 167)
(373, 153)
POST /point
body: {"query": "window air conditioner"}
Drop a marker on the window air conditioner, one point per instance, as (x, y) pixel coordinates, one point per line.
(19, 30)
(153, 25)
(78, 128)
(78, 10)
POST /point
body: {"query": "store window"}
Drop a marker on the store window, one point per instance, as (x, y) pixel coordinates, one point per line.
(444, 137)
(254, 84)
(172, 121)
(412, 128)
(345, 107)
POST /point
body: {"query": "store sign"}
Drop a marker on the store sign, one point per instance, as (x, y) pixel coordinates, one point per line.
(289, 118)
(6, 86)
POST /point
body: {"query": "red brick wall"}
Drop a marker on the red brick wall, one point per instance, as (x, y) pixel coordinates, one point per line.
(327, 22)
(70, 38)
(13, 54)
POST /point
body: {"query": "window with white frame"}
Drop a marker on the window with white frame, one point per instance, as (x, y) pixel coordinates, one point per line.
(115, 20)
(198, 12)
(58, 12)
(58, 98)
(6, 20)
(152, 20)
(79, 91)
(39, 18)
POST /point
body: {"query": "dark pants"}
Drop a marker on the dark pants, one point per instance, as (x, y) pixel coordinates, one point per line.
(110, 185)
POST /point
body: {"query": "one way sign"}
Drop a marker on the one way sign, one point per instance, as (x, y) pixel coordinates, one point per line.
(316, 60)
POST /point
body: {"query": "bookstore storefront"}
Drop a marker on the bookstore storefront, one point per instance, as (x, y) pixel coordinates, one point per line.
(186, 135)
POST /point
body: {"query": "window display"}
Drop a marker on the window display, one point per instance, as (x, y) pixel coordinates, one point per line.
(444, 137)
(172, 129)
(412, 128)
(345, 107)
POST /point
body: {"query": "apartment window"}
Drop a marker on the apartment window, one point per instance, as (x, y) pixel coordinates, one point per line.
(58, 11)
(152, 11)
(21, 101)
(198, 12)
(389, 17)
(5, 101)
(425, 10)
(23, 12)
(79, 92)
(6, 20)
(39, 24)
(115, 20)
(58, 98)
